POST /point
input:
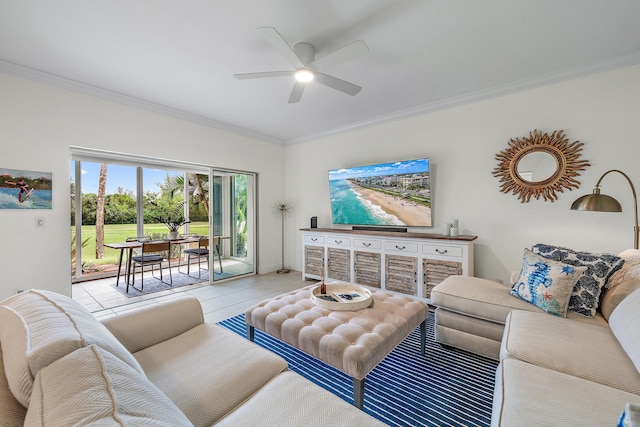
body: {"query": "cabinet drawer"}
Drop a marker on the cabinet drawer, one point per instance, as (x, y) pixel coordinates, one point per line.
(405, 247)
(442, 250)
(366, 244)
(338, 241)
(314, 239)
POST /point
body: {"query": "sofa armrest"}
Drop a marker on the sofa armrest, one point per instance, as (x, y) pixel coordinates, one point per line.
(142, 328)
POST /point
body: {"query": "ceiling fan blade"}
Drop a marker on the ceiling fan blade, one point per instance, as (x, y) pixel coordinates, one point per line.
(337, 84)
(274, 38)
(244, 76)
(296, 92)
(349, 52)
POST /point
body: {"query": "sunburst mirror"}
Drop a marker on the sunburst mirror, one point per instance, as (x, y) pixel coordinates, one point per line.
(540, 165)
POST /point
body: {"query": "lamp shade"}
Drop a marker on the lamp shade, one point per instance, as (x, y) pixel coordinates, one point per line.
(596, 202)
(603, 203)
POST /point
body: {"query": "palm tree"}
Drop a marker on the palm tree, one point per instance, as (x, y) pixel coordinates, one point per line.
(197, 185)
(102, 186)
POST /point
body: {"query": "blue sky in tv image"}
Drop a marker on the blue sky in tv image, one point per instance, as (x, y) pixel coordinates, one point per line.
(380, 169)
(394, 193)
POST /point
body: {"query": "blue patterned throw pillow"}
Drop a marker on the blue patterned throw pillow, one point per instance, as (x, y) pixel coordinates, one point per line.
(586, 294)
(545, 283)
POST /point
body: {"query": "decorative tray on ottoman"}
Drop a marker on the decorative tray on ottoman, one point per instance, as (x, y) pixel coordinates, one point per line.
(342, 297)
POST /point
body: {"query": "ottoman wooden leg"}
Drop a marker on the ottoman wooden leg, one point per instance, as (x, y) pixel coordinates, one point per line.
(423, 337)
(250, 332)
(358, 393)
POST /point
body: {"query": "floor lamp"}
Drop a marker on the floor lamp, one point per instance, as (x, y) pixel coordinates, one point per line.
(603, 203)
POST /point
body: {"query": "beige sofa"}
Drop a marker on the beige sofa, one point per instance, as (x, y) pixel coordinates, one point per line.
(573, 371)
(161, 365)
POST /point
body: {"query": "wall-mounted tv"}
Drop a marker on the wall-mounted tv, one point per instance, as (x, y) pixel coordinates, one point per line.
(383, 194)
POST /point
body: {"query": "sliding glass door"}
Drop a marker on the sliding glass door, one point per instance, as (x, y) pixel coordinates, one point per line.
(112, 202)
(233, 225)
(103, 210)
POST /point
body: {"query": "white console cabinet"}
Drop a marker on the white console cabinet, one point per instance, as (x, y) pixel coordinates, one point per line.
(411, 263)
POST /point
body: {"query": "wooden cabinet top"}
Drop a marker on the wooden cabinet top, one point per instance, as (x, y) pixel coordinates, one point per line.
(400, 235)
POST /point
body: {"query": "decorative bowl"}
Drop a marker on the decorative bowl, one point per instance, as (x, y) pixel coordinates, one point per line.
(342, 297)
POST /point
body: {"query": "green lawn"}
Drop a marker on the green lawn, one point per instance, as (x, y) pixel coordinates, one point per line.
(118, 233)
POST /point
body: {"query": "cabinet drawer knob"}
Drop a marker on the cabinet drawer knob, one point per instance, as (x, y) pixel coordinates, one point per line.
(315, 239)
(441, 251)
(366, 244)
(338, 241)
(400, 247)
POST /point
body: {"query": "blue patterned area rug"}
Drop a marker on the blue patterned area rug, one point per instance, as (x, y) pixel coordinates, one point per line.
(445, 388)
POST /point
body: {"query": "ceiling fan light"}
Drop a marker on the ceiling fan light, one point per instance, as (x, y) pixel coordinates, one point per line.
(304, 75)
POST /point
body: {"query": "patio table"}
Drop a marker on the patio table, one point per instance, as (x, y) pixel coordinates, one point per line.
(130, 246)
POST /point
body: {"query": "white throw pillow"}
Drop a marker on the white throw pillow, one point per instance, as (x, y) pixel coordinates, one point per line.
(40, 327)
(91, 386)
(625, 325)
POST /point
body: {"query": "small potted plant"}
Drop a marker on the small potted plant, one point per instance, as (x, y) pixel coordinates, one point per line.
(172, 218)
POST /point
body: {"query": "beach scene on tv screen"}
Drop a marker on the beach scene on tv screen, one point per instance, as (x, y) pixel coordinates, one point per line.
(395, 193)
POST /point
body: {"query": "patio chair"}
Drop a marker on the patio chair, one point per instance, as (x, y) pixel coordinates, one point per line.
(201, 251)
(216, 247)
(152, 253)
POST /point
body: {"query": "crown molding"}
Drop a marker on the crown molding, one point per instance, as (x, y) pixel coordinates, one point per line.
(613, 63)
(76, 86)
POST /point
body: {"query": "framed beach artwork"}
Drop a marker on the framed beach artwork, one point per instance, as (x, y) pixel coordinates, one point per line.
(22, 189)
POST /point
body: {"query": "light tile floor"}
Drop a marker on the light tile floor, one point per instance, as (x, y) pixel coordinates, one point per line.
(219, 301)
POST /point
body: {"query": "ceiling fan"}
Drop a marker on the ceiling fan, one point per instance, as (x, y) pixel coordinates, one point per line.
(302, 58)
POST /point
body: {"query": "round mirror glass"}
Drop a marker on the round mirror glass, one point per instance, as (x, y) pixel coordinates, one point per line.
(537, 166)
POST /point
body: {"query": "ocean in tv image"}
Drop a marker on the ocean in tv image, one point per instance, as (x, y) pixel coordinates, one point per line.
(395, 193)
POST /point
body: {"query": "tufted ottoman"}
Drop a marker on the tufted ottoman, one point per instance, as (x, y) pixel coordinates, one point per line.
(352, 341)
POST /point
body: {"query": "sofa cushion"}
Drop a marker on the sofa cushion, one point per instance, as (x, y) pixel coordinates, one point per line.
(219, 372)
(574, 348)
(545, 283)
(476, 297)
(289, 399)
(625, 325)
(527, 395)
(11, 411)
(586, 293)
(40, 327)
(90, 386)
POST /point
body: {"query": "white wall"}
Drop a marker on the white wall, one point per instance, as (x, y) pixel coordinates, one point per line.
(38, 123)
(601, 110)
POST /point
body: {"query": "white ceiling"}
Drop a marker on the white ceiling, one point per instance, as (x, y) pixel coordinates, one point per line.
(179, 57)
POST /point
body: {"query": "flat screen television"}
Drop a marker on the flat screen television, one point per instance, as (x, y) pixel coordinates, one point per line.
(383, 194)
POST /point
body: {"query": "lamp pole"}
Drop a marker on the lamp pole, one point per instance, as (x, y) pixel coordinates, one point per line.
(282, 208)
